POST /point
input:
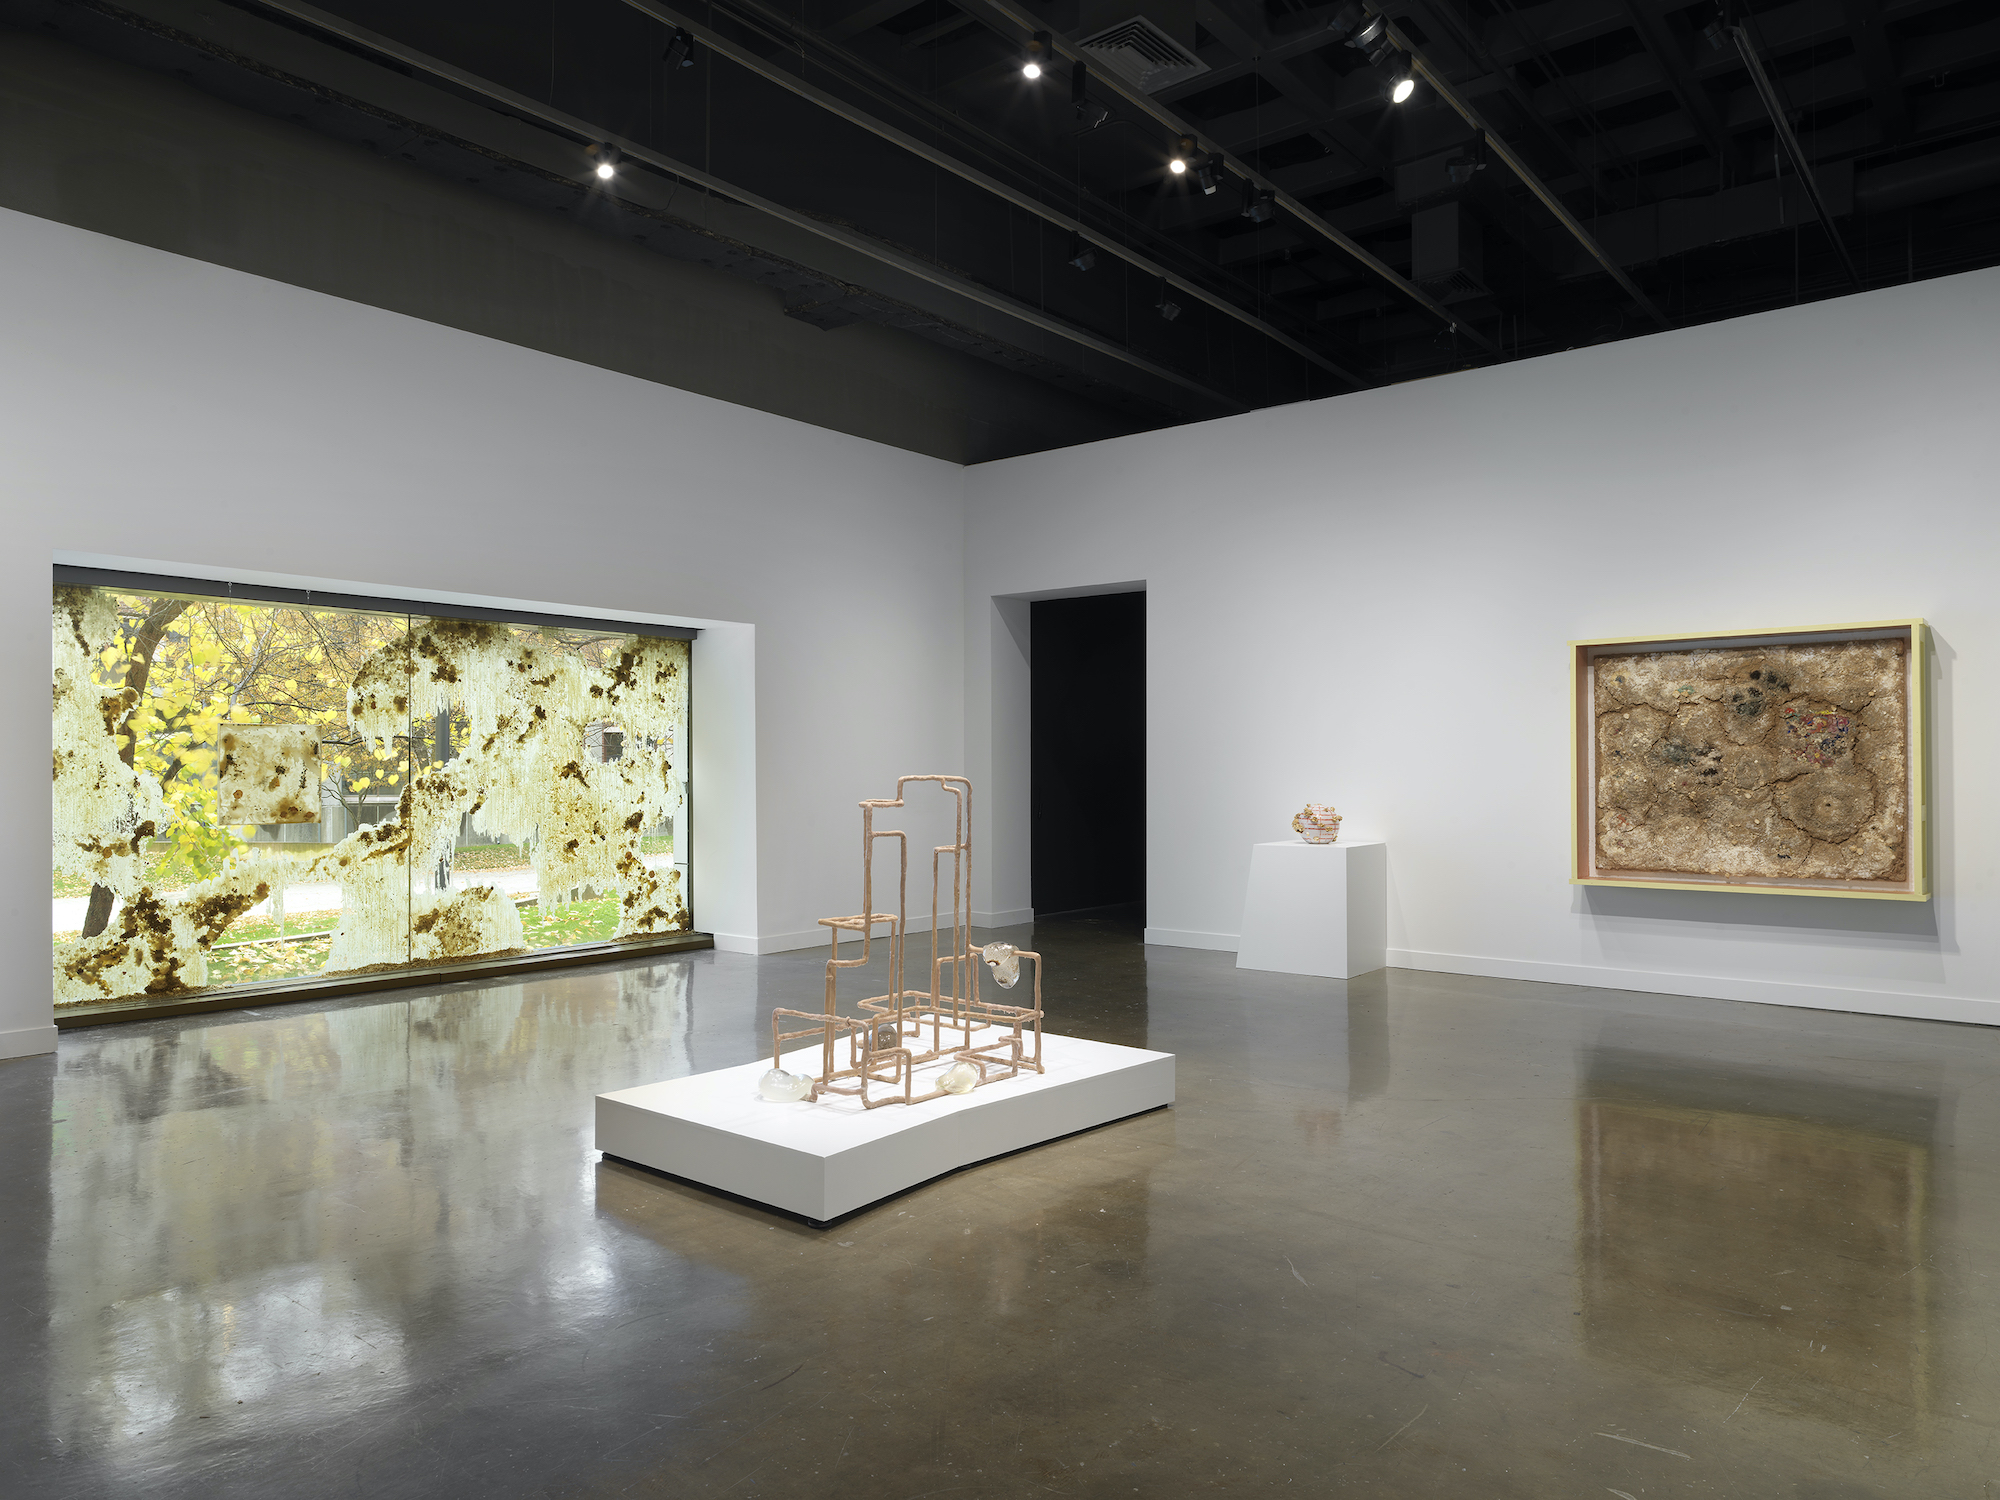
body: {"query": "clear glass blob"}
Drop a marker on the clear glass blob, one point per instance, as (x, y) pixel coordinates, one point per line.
(885, 1036)
(1004, 959)
(784, 1088)
(959, 1078)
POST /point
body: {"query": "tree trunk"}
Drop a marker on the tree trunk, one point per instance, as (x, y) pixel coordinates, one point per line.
(97, 916)
(441, 876)
(138, 667)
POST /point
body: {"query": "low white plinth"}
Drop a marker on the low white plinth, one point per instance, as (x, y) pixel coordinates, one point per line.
(1316, 909)
(827, 1159)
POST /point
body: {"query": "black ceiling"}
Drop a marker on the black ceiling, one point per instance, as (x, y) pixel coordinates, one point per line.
(887, 161)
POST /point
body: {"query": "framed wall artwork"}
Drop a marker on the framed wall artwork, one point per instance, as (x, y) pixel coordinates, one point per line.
(1780, 760)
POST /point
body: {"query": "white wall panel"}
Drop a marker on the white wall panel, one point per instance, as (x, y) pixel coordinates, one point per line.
(211, 422)
(1365, 601)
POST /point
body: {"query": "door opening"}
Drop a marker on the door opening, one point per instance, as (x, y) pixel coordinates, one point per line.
(1087, 752)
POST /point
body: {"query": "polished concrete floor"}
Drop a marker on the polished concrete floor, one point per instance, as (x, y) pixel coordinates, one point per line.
(1415, 1235)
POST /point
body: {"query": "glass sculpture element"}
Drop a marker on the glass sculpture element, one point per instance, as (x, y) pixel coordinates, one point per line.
(1004, 959)
(781, 1087)
(949, 1040)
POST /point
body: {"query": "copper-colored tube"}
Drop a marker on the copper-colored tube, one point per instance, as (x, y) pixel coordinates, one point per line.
(953, 1010)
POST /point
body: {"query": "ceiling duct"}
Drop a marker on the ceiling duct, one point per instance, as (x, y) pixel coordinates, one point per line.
(1447, 258)
(1143, 55)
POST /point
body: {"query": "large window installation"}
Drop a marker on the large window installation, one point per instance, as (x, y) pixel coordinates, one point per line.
(256, 789)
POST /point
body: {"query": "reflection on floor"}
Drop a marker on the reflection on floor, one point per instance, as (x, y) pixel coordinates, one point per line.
(1410, 1235)
(1703, 1186)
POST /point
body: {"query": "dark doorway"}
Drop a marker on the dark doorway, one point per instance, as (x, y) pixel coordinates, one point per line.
(1087, 752)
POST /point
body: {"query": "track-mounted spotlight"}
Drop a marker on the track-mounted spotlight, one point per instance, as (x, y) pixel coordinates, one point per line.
(680, 50)
(1167, 309)
(1079, 97)
(1715, 35)
(1081, 253)
(1346, 20)
(1183, 154)
(1371, 40)
(1461, 167)
(1037, 57)
(1260, 208)
(607, 162)
(1204, 175)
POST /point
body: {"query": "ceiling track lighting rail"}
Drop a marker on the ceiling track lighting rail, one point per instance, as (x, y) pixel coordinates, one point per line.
(1534, 184)
(597, 142)
(770, 71)
(1027, 21)
(1781, 122)
(974, 141)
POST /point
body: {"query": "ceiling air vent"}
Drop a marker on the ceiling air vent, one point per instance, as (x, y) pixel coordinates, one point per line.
(1447, 257)
(1143, 55)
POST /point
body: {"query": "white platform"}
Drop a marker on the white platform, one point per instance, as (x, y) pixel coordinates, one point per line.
(827, 1159)
(1316, 909)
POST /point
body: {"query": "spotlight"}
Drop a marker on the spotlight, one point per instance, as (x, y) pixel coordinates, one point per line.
(1460, 168)
(1079, 97)
(680, 50)
(1204, 174)
(1372, 40)
(1183, 150)
(1402, 84)
(1081, 254)
(1715, 35)
(1261, 208)
(607, 162)
(1349, 15)
(1166, 309)
(1037, 56)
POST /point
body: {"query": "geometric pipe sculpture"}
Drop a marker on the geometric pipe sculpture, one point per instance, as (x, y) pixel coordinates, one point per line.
(888, 1042)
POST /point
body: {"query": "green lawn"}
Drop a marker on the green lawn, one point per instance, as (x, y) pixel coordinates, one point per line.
(252, 951)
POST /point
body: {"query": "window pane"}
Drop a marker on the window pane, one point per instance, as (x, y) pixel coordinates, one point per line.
(250, 792)
(556, 756)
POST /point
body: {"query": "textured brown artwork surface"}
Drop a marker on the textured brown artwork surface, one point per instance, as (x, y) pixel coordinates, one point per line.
(269, 773)
(1788, 762)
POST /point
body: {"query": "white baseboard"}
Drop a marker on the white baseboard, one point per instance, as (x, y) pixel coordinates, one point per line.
(1708, 986)
(1170, 937)
(28, 1041)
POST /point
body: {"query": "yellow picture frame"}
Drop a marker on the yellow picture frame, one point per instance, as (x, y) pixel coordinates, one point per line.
(1583, 777)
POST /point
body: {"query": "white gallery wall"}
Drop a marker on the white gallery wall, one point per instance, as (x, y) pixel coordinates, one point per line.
(1362, 600)
(212, 423)
(1366, 601)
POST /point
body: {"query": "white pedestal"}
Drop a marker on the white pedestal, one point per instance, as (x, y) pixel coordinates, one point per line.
(827, 1159)
(1316, 909)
